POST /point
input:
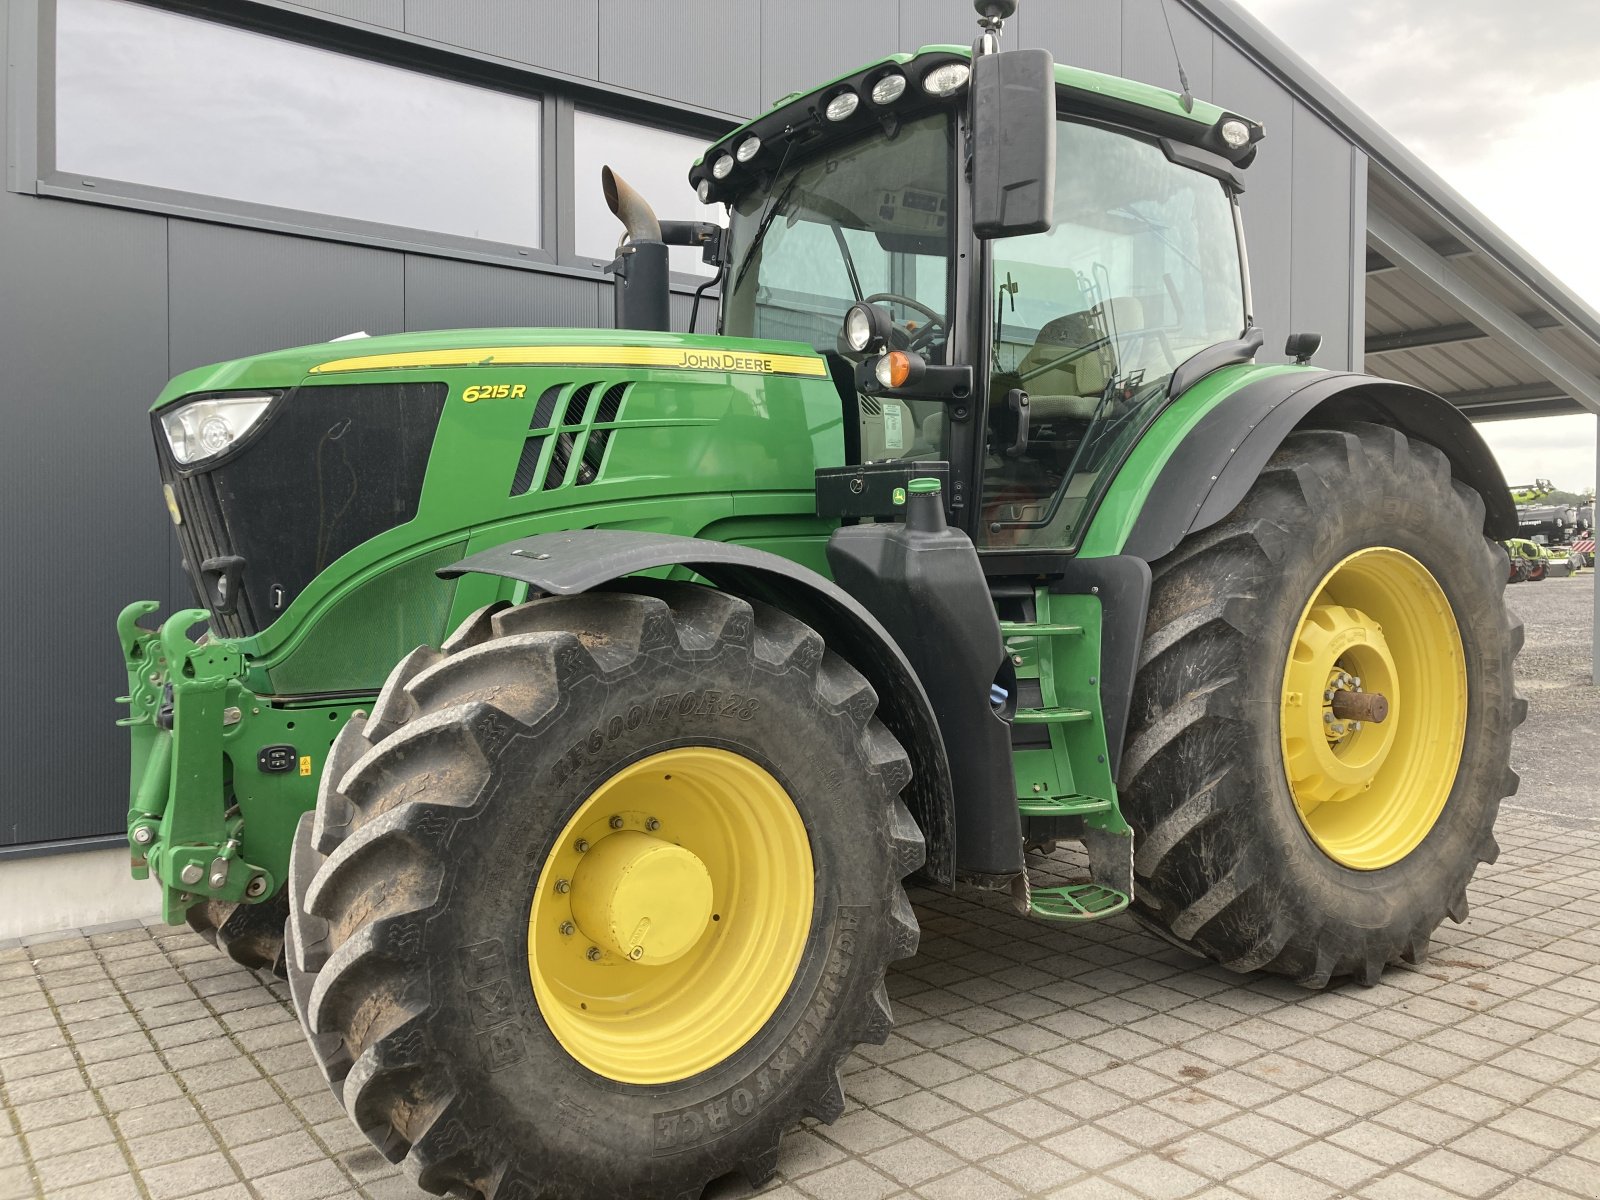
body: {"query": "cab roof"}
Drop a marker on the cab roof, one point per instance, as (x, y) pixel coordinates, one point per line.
(799, 115)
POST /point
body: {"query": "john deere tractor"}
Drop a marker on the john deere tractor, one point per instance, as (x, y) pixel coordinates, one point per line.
(584, 698)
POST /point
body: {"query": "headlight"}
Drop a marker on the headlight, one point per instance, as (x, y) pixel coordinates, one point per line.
(203, 429)
(748, 148)
(947, 79)
(841, 106)
(722, 166)
(704, 191)
(889, 89)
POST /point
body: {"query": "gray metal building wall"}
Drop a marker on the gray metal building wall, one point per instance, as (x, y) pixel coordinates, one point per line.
(100, 305)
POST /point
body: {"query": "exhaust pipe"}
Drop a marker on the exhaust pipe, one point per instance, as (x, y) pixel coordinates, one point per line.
(629, 207)
(641, 290)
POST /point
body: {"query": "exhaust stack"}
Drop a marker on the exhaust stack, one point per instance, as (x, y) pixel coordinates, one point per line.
(641, 289)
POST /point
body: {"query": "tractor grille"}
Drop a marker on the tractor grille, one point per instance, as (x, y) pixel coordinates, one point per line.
(329, 468)
(571, 453)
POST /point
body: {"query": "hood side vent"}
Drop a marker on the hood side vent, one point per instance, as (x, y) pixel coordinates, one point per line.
(576, 449)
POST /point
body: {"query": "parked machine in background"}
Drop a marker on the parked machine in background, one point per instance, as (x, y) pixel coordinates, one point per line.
(583, 697)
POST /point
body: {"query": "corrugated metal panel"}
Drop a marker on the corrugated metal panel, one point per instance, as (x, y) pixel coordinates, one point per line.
(705, 54)
(1269, 184)
(940, 22)
(1147, 50)
(1087, 33)
(442, 293)
(83, 336)
(564, 38)
(238, 291)
(801, 46)
(388, 13)
(1320, 240)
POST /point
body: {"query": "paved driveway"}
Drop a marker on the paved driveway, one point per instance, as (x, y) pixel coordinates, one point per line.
(1029, 1061)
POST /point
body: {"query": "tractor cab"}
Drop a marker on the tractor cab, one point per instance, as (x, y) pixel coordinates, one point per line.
(1022, 318)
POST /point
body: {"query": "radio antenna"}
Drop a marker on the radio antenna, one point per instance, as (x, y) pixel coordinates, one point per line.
(1187, 99)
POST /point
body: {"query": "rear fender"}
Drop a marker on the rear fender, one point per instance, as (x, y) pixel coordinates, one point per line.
(1216, 464)
(564, 564)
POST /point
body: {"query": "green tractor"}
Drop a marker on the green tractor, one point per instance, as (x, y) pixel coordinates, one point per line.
(583, 698)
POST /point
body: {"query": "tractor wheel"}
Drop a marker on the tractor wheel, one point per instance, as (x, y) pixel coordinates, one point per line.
(1274, 830)
(251, 934)
(598, 898)
(1539, 572)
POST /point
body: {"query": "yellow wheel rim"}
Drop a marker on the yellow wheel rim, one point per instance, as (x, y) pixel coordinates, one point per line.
(669, 919)
(1367, 792)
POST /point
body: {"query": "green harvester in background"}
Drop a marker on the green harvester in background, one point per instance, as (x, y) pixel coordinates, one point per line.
(583, 697)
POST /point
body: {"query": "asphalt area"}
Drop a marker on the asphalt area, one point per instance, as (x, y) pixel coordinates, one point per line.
(1087, 1064)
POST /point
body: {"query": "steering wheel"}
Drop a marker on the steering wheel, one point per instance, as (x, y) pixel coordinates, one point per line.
(919, 339)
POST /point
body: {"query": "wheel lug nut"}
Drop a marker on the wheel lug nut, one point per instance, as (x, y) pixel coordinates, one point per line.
(592, 954)
(563, 886)
(616, 822)
(583, 846)
(567, 929)
(1327, 718)
(1327, 696)
(652, 825)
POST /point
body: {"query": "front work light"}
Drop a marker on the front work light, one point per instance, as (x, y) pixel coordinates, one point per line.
(841, 106)
(203, 429)
(722, 165)
(748, 148)
(1236, 133)
(866, 328)
(889, 89)
(946, 79)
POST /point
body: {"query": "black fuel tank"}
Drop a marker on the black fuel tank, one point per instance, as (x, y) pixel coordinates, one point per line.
(923, 581)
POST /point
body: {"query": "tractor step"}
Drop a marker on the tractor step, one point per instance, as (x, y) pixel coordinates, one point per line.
(1076, 902)
(1062, 806)
(1025, 629)
(1051, 716)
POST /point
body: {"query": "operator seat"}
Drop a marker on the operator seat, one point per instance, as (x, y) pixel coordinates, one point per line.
(1071, 389)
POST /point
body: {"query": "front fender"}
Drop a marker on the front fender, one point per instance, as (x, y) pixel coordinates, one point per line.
(1209, 470)
(563, 564)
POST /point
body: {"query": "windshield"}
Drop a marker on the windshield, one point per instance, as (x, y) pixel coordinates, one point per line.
(1141, 271)
(869, 218)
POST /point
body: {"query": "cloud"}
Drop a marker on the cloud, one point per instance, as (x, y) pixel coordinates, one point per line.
(1451, 80)
(1560, 449)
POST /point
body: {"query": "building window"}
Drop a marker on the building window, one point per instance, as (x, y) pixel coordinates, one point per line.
(159, 100)
(655, 162)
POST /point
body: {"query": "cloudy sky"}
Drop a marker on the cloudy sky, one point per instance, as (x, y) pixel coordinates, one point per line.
(1498, 97)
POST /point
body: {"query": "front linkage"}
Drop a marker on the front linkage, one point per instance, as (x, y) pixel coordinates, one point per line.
(218, 775)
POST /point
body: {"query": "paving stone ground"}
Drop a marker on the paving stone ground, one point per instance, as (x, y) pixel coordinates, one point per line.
(1087, 1064)
(1095, 1063)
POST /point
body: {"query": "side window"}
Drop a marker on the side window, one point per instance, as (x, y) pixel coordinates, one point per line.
(1140, 271)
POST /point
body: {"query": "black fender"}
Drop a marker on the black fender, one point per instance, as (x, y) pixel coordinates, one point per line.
(1222, 456)
(563, 564)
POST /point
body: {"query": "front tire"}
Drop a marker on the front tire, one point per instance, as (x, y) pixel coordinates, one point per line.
(1269, 834)
(467, 948)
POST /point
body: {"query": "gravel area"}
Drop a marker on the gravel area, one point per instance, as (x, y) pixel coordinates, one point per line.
(1088, 1064)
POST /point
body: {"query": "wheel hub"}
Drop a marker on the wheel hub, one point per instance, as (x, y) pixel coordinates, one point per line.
(1337, 649)
(641, 898)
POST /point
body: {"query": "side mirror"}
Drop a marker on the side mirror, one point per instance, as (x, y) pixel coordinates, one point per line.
(1013, 143)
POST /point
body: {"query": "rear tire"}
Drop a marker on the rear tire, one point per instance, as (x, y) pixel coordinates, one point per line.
(1225, 863)
(411, 890)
